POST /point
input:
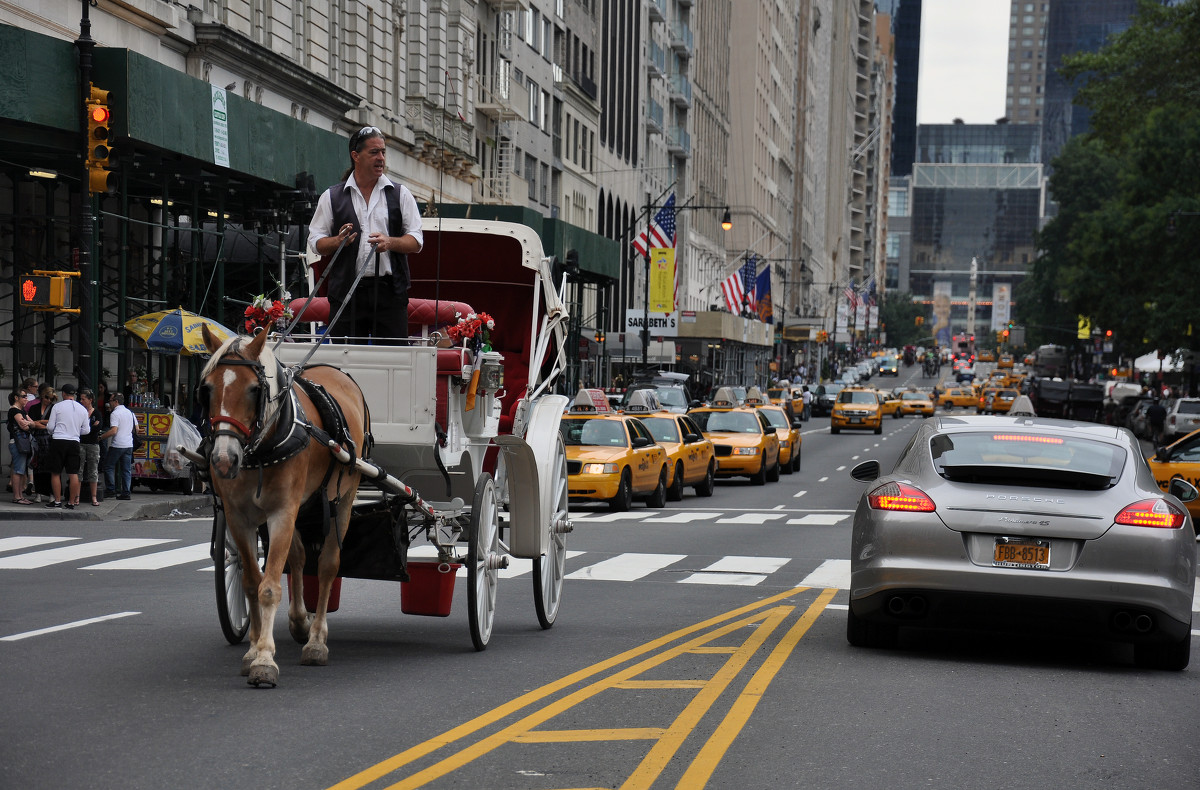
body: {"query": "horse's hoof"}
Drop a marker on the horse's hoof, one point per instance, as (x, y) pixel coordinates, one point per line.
(247, 661)
(314, 656)
(299, 630)
(263, 675)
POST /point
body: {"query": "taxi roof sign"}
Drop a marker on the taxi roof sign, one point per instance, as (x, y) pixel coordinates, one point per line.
(643, 402)
(724, 398)
(754, 397)
(591, 401)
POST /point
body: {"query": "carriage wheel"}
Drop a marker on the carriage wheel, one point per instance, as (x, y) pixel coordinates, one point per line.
(483, 551)
(549, 569)
(233, 608)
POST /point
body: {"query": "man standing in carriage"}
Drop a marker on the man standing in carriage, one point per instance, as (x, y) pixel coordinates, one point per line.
(367, 203)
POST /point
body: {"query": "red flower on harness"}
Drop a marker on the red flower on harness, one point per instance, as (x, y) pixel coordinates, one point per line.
(473, 330)
(264, 313)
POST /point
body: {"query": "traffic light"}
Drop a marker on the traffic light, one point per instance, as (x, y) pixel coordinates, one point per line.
(599, 336)
(1005, 335)
(920, 320)
(48, 291)
(100, 178)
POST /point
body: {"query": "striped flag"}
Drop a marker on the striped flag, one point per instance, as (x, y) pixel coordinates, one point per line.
(661, 232)
(851, 296)
(731, 288)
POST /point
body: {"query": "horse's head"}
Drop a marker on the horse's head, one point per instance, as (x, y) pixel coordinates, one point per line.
(239, 390)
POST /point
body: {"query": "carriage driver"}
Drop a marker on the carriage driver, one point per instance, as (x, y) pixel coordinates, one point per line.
(368, 202)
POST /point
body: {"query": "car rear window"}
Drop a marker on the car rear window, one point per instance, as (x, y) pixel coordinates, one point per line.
(777, 418)
(663, 429)
(1189, 407)
(1027, 459)
(730, 421)
(857, 396)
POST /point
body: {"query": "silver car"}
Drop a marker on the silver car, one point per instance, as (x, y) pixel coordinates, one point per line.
(1017, 523)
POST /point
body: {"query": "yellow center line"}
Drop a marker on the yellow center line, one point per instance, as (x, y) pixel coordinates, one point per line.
(381, 769)
(581, 736)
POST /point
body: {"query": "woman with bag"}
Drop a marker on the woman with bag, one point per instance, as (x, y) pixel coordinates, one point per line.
(39, 411)
(20, 446)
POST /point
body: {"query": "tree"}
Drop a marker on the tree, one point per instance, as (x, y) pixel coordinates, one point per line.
(1108, 254)
(899, 313)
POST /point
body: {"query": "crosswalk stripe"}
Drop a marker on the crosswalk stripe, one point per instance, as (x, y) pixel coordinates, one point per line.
(626, 567)
(818, 519)
(751, 518)
(737, 571)
(156, 561)
(28, 541)
(40, 559)
(683, 517)
(606, 517)
(830, 573)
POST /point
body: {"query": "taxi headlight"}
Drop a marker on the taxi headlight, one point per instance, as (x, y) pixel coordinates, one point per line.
(745, 451)
(599, 469)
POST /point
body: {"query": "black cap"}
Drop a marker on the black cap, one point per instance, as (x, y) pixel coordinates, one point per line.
(68, 389)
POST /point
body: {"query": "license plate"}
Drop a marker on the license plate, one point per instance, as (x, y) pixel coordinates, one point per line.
(855, 419)
(1021, 553)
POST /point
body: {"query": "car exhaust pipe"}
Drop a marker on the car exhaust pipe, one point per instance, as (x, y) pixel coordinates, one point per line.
(910, 606)
(1143, 623)
(917, 605)
(1122, 621)
(896, 605)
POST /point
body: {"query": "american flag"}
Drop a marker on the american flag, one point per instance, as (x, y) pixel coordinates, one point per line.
(661, 232)
(851, 296)
(740, 287)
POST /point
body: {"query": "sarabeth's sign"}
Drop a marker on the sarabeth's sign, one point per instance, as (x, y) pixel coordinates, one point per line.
(661, 324)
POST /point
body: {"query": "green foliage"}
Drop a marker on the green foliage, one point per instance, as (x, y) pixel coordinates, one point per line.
(899, 313)
(1108, 254)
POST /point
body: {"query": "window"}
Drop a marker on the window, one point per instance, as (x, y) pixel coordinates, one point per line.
(531, 175)
(535, 103)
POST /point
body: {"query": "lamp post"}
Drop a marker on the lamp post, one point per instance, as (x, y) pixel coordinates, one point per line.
(726, 224)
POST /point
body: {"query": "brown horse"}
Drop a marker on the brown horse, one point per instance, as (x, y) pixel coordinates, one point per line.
(269, 429)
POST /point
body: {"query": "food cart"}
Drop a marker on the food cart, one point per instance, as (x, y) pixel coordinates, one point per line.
(154, 425)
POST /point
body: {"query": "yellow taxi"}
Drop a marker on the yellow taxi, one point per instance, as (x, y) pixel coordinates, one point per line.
(611, 457)
(1006, 361)
(916, 402)
(743, 439)
(789, 435)
(691, 460)
(889, 403)
(1180, 459)
(856, 408)
(999, 401)
(958, 397)
(986, 356)
(788, 398)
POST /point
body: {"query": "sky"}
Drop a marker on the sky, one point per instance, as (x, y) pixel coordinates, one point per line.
(964, 60)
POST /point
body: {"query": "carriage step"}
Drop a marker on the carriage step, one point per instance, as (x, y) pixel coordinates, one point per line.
(456, 505)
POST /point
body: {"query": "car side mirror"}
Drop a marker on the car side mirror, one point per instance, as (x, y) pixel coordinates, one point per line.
(692, 437)
(797, 423)
(641, 441)
(866, 471)
(1161, 455)
(695, 404)
(1182, 490)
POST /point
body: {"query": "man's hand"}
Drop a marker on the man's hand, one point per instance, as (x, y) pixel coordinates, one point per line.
(380, 242)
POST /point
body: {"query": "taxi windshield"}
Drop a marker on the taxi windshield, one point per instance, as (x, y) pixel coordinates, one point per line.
(729, 421)
(777, 418)
(593, 432)
(856, 396)
(915, 396)
(663, 429)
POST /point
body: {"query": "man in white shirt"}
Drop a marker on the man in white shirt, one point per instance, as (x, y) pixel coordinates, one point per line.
(118, 461)
(68, 421)
(386, 213)
(807, 397)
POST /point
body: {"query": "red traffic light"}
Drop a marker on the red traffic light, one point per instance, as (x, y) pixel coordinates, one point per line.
(100, 114)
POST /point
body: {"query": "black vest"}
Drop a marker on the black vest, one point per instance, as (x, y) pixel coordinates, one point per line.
(340, 279)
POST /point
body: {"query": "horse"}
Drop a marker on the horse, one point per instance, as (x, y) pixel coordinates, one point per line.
(267, 456)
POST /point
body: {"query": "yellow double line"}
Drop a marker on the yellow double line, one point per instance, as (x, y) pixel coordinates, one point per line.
(759, 621)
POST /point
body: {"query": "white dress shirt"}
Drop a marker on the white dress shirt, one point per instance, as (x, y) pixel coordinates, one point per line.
(372, 218)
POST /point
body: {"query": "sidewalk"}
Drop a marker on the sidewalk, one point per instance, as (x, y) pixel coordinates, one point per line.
(144, 505)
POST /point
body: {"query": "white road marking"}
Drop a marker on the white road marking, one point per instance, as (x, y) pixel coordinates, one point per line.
(822, 480)
(798, 494)
(626, 567)
(26, 541)
(65, 626)
(517, 566)
(40, 559)
(830, 573)
(606, 517)
(751, 518)
(156, 561)
(683, 517)
(818, 519)
(729, 579)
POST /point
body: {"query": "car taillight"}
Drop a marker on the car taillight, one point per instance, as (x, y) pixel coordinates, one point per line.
(1152, 513)
(898, 496)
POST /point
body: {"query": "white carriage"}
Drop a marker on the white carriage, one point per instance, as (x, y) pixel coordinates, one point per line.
(467, 455)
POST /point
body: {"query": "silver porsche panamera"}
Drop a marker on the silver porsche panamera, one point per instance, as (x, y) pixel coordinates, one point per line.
(1024, 524)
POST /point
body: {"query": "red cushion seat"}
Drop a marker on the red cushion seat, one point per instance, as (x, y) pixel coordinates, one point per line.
(432, 313)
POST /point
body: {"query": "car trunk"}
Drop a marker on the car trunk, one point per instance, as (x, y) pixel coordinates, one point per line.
(1051, 513)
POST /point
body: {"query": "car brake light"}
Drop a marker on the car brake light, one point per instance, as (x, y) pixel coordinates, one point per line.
(898, 496)
(1152, 513)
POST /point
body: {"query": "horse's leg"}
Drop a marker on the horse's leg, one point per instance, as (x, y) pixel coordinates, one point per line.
(280, 524)
(316, 652)
(246, 542)
(299, 618)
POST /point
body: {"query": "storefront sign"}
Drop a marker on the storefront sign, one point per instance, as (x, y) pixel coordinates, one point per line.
(661, 324)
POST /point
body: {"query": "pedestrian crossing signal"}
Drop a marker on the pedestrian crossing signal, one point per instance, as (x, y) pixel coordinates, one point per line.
(48, 291)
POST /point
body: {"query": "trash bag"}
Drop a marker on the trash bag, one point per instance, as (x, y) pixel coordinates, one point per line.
(182, 433)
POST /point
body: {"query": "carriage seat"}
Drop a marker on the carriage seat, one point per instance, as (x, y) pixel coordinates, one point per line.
(424, 315)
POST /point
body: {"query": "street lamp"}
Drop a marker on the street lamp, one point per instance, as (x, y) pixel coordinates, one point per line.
(726, 224)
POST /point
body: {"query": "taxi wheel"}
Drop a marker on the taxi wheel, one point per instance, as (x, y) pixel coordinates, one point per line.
(834, 430)
(796, 462)
(773, 472)
(896, 414)
(624, 497)
(675, 492)
(879, 429)
(760, 477)
(658, 498)
(709, 483)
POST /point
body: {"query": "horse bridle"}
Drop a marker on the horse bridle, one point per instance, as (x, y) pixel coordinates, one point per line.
(249, 437)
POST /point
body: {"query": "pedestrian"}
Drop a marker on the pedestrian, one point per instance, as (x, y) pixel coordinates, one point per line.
(38, 410)
(30, 387)
(1156, 415)
(103, 408)
(20, 446)
(807, 397)
(67, 423)
(368, 203)
(118, 467)
(89, 445)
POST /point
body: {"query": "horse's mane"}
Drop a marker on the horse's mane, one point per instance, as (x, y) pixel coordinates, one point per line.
(266, 358)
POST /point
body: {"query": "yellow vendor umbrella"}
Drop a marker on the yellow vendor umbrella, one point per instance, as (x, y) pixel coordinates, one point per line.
(176, 332)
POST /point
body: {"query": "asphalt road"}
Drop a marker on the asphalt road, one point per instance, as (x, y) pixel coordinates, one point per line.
(702, 644)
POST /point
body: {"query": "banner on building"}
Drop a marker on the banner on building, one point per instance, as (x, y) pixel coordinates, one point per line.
(662, 280)
(1001, 305)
